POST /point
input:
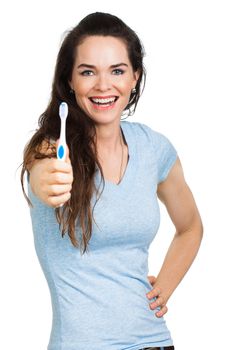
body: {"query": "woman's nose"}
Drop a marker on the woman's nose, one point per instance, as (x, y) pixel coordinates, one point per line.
(103, 83)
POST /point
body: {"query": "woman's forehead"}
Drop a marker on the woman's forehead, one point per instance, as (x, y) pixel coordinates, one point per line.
(102, 49)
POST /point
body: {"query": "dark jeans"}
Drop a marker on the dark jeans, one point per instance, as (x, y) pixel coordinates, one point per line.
(161, 348)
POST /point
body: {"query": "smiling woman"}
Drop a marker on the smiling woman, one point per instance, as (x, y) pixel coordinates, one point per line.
(100, 293)
(113, 82)
(88, 68)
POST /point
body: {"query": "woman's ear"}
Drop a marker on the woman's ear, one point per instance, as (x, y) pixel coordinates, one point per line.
(136, 76)
(71, 87)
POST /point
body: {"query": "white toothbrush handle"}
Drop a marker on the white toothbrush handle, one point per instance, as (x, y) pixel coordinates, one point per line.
(61, 150)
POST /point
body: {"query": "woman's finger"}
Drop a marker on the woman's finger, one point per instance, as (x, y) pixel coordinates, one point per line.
(56, 201)
(158, 302)
(57, 190)
(153, 293)
(163, 310)
(152, 280)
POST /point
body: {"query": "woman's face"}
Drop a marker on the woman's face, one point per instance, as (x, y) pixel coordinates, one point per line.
(103, 78)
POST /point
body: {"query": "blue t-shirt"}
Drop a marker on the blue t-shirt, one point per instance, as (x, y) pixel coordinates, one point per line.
(99, 298)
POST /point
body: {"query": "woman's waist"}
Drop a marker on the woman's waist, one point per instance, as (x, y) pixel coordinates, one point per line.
(115, 312)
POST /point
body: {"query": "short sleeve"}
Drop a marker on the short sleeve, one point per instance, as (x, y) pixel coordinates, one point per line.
(167, 157)
(162, 152)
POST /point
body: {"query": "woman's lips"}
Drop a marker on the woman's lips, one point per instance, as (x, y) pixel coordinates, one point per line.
(103, 102)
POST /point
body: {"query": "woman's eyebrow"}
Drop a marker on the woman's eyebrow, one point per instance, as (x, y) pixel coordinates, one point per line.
(91, 66)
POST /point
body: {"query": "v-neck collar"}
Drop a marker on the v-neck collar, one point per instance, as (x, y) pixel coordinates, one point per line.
(130, 168)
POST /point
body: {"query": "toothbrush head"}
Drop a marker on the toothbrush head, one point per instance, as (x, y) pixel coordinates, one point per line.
(63, 110)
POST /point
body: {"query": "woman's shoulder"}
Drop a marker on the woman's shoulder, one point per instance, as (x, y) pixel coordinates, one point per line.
(145, 132)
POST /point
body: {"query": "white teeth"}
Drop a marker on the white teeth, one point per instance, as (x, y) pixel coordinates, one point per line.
(103, 100)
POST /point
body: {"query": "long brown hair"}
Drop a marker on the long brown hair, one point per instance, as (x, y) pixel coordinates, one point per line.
(80, 127)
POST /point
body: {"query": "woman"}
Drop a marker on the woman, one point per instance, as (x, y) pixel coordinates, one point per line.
(101, 295)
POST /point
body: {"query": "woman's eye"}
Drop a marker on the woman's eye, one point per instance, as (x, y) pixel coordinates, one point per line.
(86, 72)
(118, 71)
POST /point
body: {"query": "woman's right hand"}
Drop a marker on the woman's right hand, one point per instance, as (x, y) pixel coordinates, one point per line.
(51, 180)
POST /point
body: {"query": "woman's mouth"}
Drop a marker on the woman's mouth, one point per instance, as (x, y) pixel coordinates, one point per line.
(103, 103)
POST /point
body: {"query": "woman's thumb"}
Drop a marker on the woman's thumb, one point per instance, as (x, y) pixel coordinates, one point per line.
(67, 155)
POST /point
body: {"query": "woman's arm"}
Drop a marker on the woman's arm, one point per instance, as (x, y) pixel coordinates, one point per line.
(178, 199)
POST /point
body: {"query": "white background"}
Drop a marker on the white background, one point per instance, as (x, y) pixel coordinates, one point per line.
(188, 97)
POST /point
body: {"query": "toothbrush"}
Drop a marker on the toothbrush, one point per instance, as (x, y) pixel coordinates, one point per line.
(61, 150)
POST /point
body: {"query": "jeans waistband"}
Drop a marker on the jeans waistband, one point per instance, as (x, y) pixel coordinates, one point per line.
(160, 348)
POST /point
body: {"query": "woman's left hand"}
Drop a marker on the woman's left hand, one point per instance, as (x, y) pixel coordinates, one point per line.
(160, 300)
